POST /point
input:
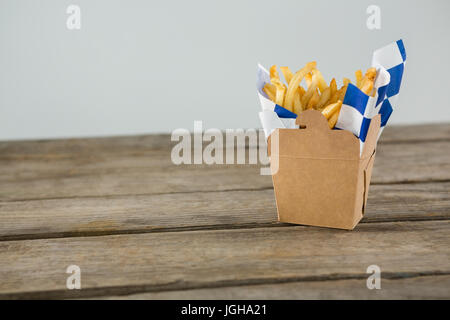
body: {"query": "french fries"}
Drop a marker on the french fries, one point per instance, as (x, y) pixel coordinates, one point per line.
(368, 81)
(287, 73)
(324, 97)
(346, 81)
(317, 94)
(331, 109)
(320, 81)
(295, 82)
(280, 90)
(312, 103)
(308, 80)
(358, 76)
(333, 86)
(342, 92)
(298, 102)
(270, 90)
(274, 73)
(331, 112)
(333, 119)
(311, 89)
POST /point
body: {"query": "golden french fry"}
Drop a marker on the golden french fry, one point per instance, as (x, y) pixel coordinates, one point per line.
(270, 90)
(311, 89)
(281, 89)
(302, 91)
(338, 95)
(342, 92)
(324, 97)
(371, 73)
(331, 108)
(333, 86)
(367, 87)
(333, 119)
(335, 97)
(321, 83)
(274, 72)
(308, 80)
(358, 76)
(313, 101)
(270, 87)
(297, 103)
(287, 73)
(346, 81)
(294, 83)
(368, 80)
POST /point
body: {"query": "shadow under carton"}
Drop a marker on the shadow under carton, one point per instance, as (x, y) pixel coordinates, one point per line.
(319, 176)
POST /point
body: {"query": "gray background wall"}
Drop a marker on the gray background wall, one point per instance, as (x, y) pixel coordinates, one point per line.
(153, 66)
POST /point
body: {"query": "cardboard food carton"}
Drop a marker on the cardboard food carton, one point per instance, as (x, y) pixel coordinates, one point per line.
(319, 175)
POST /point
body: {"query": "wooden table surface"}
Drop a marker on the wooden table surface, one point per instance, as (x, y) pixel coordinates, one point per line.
(139, 226)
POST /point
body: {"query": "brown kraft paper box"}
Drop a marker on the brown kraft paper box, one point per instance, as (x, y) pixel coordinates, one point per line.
(319, 176)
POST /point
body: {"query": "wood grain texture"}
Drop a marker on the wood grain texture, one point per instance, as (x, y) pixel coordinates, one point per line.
(157, 230)
(139, 143)
(415, 133)
(405, 162)
(198, 210)
(50, 176)
(129, 264)
(420, 287)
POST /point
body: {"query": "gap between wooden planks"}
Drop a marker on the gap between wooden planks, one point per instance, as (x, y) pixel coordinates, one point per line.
(91, 187)
(129, 264)
(213, 210)
(433, 169)
(138, 143)
(423, 286)
(152, 172)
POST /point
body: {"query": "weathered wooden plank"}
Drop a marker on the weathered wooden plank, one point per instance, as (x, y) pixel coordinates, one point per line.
(76, 146)
(232, 209)
(420, 287)
(415, 133)
(196, 259)
(148, 177)
(412, 162)
(138, 143)
(153, 172)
